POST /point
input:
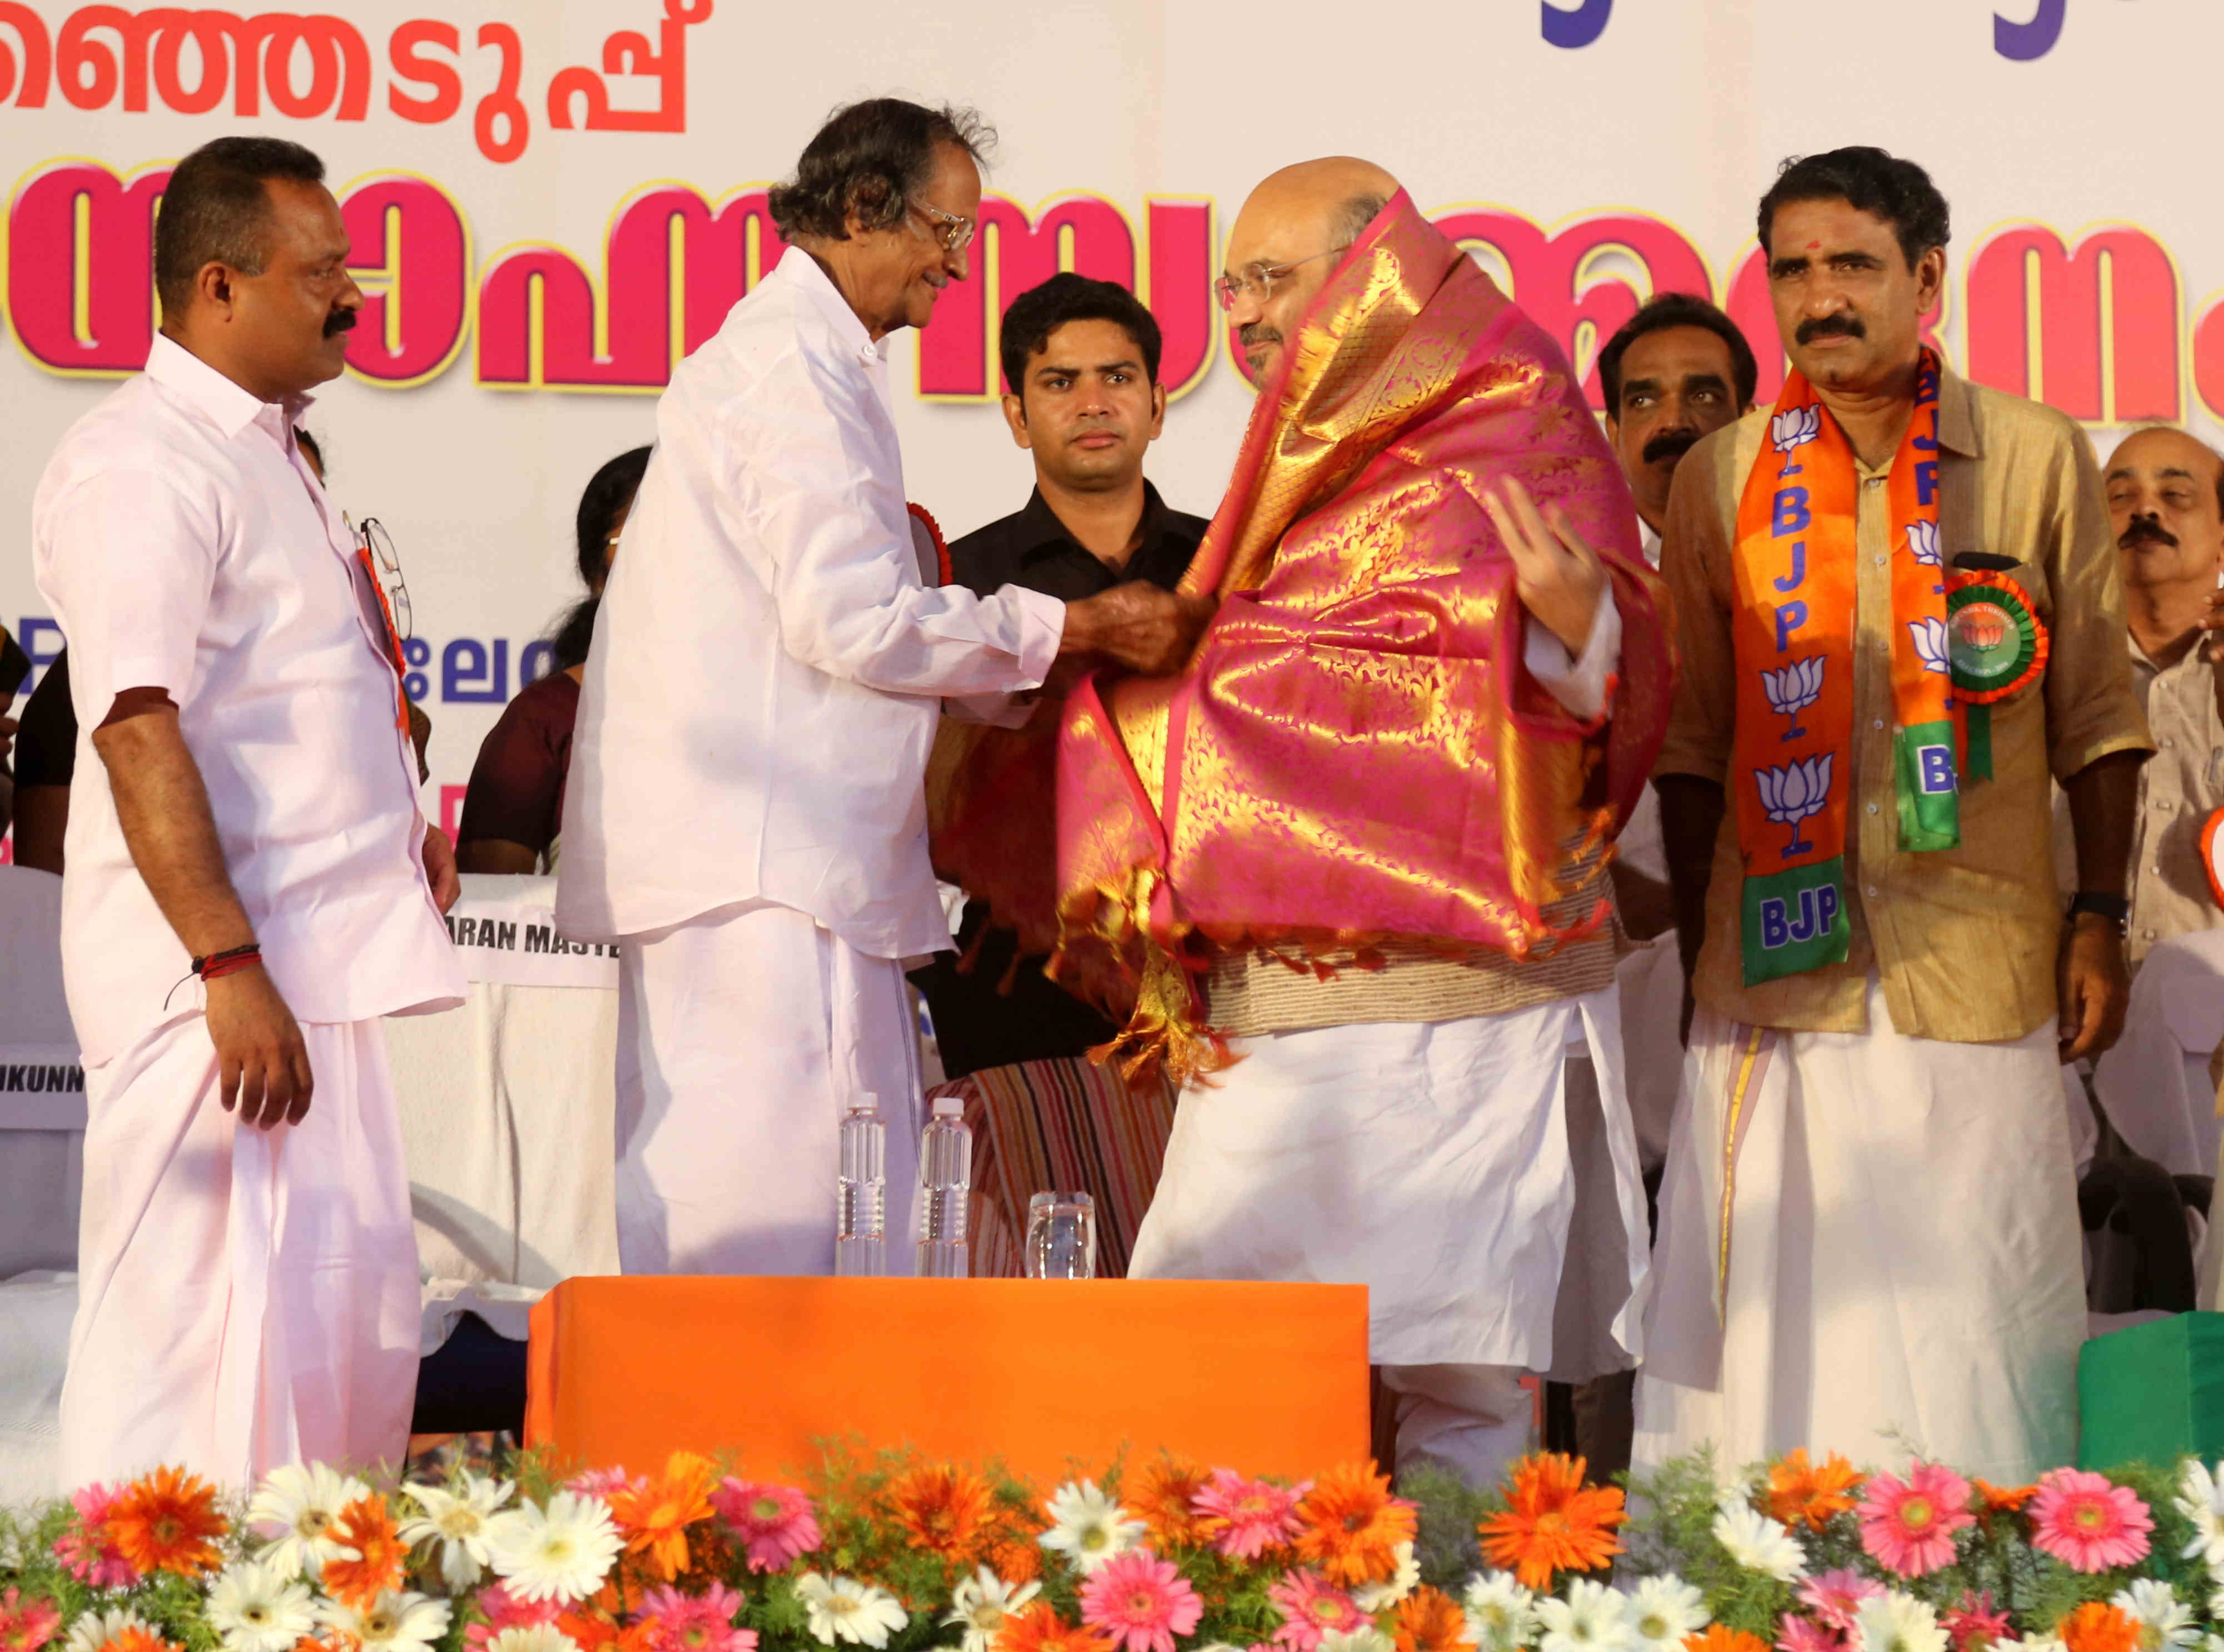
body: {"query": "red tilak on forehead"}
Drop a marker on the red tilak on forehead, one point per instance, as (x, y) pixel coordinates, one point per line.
(1814, 246)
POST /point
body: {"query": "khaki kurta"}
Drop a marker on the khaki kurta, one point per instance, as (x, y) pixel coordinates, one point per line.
(1963, 940)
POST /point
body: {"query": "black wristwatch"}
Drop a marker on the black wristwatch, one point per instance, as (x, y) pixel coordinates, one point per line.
(2117, 909)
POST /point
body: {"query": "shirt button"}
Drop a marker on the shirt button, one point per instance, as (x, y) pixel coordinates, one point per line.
(2165, 742)
(1873, 482)
(1878, 723)
(1880, 562)
(1871, 891)
(1873, 809)
(2163, 803)
(2147, 933)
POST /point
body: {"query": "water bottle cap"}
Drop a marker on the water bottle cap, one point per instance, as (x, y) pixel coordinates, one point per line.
(866, 1102)
(948, 1106)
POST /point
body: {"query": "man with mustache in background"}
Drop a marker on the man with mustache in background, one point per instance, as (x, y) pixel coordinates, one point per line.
(1899, 611)
(2166, 509)
(251, 885)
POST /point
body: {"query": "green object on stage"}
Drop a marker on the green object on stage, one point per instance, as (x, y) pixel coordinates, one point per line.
(2153, 1393)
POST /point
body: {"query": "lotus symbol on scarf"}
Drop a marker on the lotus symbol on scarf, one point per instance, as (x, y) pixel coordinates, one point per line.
(1930, 636)
(1792, 689)
(1793, 793)
(1922, 543)
(1795, 427)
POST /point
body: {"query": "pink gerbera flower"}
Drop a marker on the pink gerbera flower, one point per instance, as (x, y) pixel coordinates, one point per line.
(1244, 1518)
(1973, 1624)
(27, 1626)
(2088, 1522)
(1798, 1633)
(86, 1550)
(1908, 1527)
(1311, 1608)
(1835, 1598)
(773, 1522)
(704, 1622)
(1139, 1600)
(505, 1610)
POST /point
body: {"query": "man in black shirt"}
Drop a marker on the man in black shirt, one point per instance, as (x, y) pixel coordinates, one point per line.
(1081, 361)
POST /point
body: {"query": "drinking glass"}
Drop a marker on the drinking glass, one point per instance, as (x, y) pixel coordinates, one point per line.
(1061, 1236)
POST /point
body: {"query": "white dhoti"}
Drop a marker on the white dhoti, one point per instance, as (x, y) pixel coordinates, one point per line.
(1902, 1267)
(1481, 1183)
(743, 1038)
(245, 1298)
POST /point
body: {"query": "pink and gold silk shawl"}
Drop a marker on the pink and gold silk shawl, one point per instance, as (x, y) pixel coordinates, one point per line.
(1354, 754)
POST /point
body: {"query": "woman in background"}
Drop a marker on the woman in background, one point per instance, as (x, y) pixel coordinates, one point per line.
(514, 805)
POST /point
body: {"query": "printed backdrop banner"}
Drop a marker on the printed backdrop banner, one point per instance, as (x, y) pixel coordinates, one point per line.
(552, 203)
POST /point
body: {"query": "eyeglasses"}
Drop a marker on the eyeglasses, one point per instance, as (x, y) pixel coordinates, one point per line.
(956, 233)
(1258, 279)
(377, 549)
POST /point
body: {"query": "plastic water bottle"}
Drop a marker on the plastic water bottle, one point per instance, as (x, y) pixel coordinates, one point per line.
(945, 1180)
(860, 1243)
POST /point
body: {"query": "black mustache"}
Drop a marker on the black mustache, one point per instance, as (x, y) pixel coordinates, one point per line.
(1670, 444)
(1830, 327)
(2143, 529)
(339, 321)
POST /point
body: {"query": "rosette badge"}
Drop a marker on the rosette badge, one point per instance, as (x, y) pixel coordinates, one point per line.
(1790, 794)
(1996, 643)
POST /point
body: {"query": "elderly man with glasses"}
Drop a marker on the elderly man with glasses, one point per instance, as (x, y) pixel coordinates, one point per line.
(1347, 868)
(745, 809)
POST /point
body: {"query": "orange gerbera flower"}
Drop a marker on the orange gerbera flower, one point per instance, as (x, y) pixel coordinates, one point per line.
(1351, 1525)
(1553, 1521)
(2001, 1499)
(375, 1553)
(1800, 1491)
(2098, 1627)
(1429, 1620)
(1163, 1496)
(1040, 1630)
(1719, 1639)
(167, 1521)
(1015, 1557)
(136, 1639)
(942, 1509)
(655, 1516)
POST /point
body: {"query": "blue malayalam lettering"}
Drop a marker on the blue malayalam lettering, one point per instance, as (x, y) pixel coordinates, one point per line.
(1570, 26)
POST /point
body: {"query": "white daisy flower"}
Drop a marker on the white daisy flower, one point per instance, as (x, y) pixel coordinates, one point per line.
(392, 1623)
(1501, 1615)
(1372, 1598)
(95, 1629)
(1590, 1619)
(459, 1520)
(2164, 1619)
(1662, 1611)
(842, 1609)
(2200, 1499)
(1895, 1620)
(256, 1607)
(1088, 1528)
(2041, 1644)
(980, 1604)
(562, 1552)
(1356, 1640)
(532, 1637)
(1758, 1543)
(301, 1502)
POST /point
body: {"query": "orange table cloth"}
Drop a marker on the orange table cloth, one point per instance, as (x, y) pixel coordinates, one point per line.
(1268, 1378)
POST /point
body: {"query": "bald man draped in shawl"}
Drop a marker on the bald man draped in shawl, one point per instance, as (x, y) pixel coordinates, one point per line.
(1347, 868)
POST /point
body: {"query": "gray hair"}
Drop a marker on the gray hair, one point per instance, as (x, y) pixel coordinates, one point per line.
(1349, 220)
(868, 161)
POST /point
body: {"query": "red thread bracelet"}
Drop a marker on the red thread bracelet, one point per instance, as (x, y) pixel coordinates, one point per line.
(218, 965)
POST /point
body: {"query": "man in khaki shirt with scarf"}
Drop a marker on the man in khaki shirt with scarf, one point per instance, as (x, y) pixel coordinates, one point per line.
(1900, 611)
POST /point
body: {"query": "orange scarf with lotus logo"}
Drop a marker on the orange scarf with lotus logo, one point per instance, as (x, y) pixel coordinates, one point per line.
(1792, 632)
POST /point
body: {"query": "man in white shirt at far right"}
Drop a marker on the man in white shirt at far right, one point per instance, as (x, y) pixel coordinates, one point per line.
(746, 808)
(251, 883)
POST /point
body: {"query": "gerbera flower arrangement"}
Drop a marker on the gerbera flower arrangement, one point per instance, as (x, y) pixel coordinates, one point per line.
(900, 1553)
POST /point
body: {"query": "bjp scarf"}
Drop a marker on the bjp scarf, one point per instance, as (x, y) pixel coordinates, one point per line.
(1354, 754)
(1792, 636)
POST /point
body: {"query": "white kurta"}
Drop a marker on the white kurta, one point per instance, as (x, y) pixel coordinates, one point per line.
(234, 1313)
(1430, 1162)
(1903, 1269)
(743, 1038)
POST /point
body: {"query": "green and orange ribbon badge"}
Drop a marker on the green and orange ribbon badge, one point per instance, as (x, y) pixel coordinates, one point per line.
(1997, 647)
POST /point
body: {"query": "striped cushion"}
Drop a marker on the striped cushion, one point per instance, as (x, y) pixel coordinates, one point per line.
(1065, 1125)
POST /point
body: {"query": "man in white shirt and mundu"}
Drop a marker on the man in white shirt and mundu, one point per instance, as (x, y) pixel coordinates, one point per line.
(251, 883)
(745, 810)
